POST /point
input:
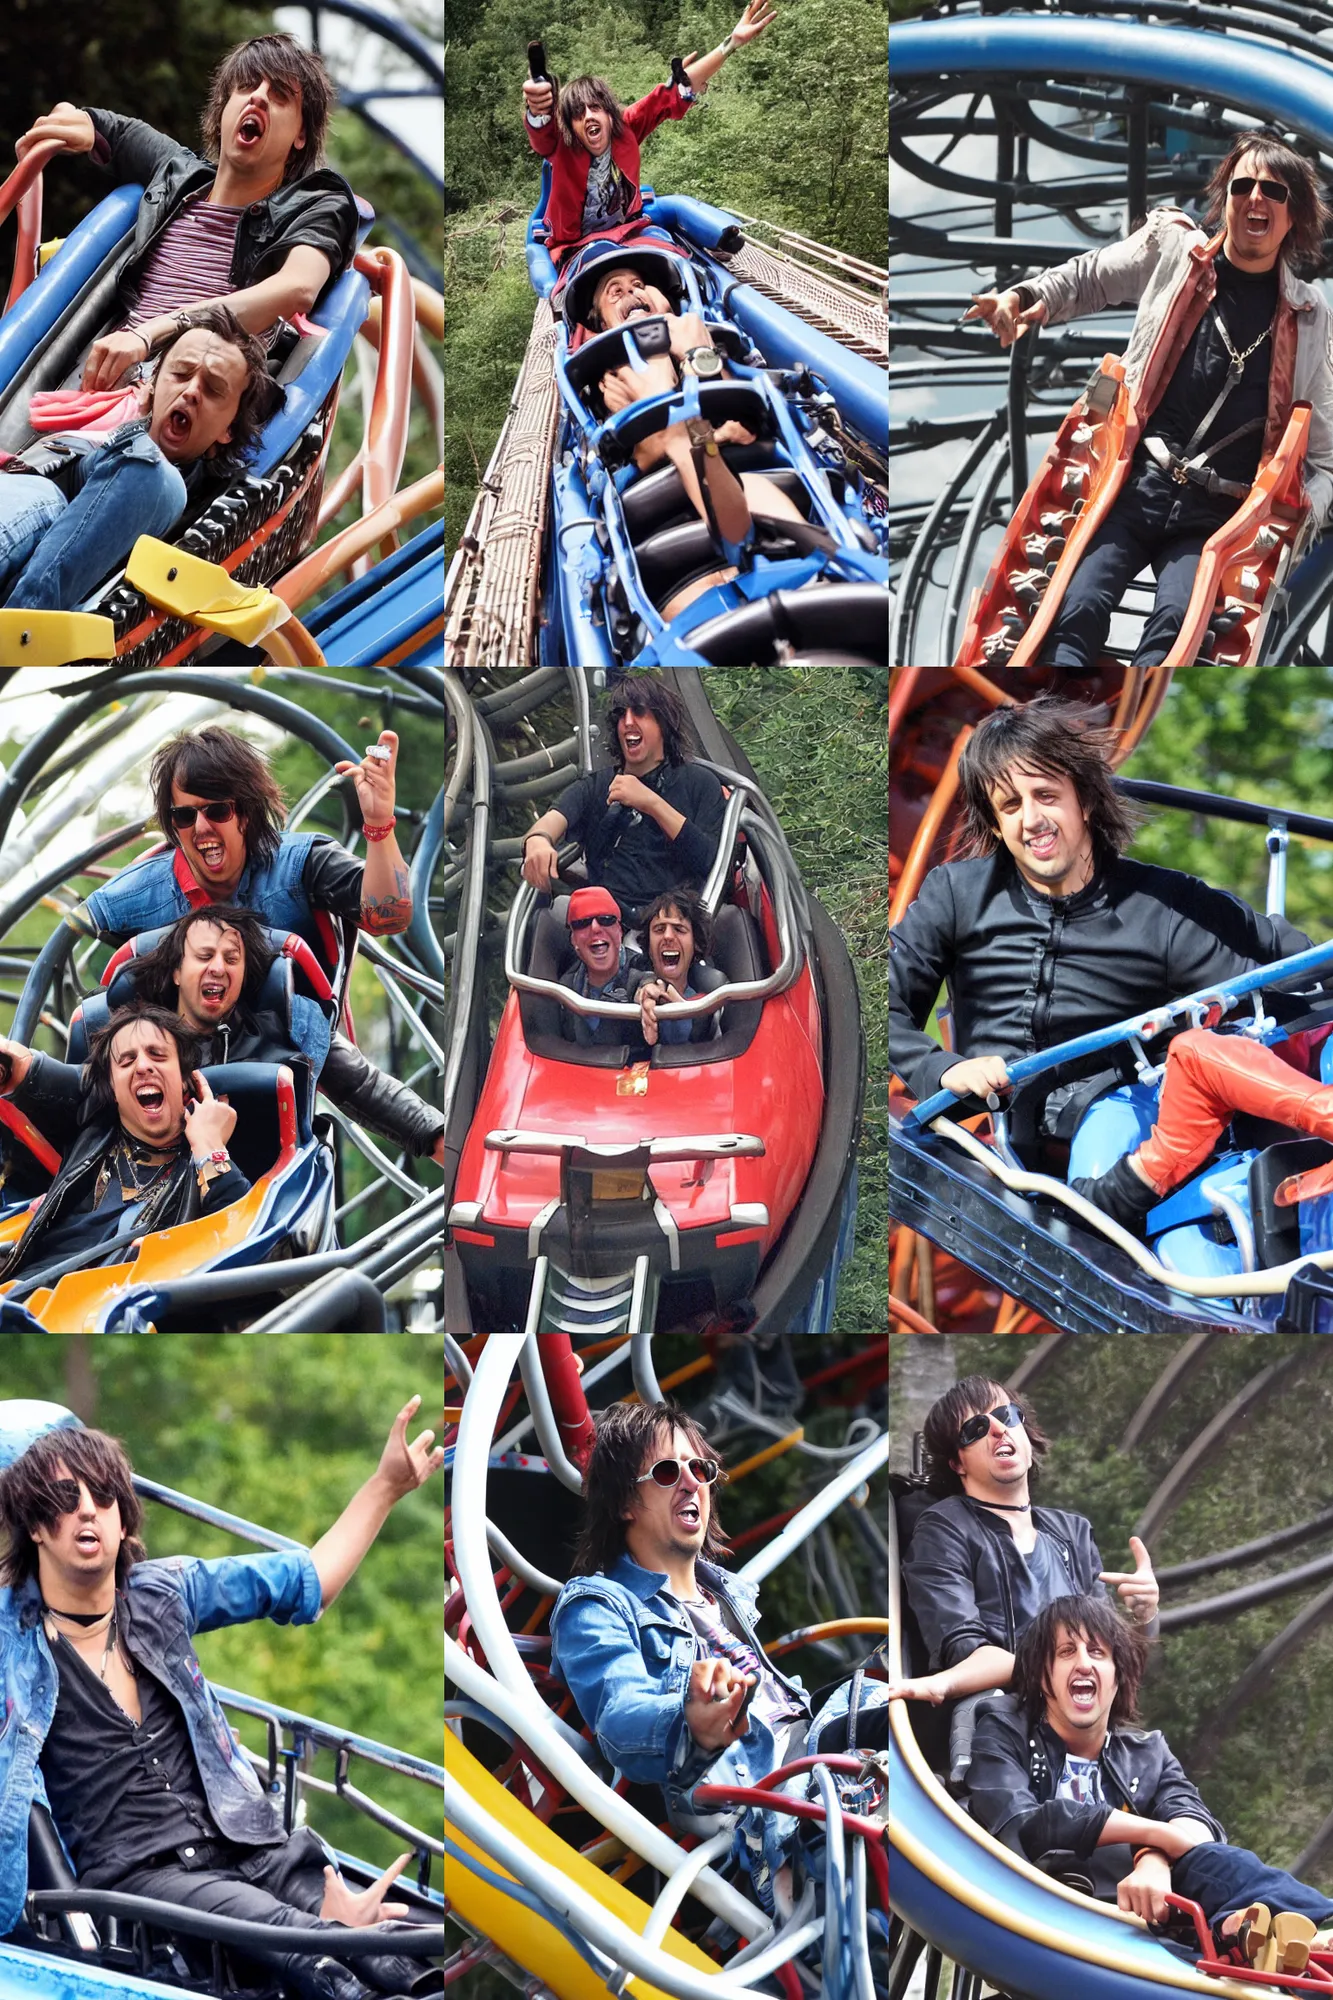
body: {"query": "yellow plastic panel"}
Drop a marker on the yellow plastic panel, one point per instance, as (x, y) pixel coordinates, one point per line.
(54, 638)
(203, 592)
(521, 1934)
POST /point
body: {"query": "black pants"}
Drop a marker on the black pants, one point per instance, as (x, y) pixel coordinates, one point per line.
(264, 1885)
(1156, 524)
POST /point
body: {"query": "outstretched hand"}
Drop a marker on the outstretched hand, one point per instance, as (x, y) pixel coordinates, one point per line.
(1138, 1587)
(374, 780)
(403, 1466)
(1004, 316)
(358, 1909)
(758, 15)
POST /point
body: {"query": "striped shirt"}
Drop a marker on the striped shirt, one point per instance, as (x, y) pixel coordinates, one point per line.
(190, 262)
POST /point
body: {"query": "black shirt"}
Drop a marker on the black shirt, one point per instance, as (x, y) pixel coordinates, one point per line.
(627, 852)
(120, 1791)
(1248, 305)
(1028, 972)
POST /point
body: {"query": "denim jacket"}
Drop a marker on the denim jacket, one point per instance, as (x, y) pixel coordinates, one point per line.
(147, 893)
(168, 1602)
(625, 1650)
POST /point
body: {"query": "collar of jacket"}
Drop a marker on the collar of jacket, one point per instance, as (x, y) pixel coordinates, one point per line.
(647, 1583)
(1090, 897)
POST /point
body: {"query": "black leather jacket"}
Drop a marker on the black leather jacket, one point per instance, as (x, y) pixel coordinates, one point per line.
(378, 1101)
(961, 1567)
(319, 209)
(1014, 1773)
(1026, 972)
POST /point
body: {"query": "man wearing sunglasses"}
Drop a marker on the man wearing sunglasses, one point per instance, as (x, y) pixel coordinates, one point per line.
(606, 969)
(116, 1730)
(983, 1560)
(657, 1641)
(1226, 339)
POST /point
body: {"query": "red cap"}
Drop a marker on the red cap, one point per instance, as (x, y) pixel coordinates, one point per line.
(592, 903)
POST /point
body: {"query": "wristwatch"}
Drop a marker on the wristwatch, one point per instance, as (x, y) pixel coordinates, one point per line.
(705, 361)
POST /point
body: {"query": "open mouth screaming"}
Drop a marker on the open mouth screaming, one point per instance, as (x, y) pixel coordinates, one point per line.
(212, 853)
(213, 992)
(1083, 1691)
(687, 1513)
(150, 1098)
(251, 128)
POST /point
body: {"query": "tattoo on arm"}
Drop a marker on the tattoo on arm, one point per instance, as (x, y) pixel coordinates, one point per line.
(386, 916)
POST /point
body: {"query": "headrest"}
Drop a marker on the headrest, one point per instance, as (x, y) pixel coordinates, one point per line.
(655, 267)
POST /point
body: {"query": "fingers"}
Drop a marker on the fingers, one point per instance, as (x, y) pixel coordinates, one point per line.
(395, 1868)
(1142, 1560)
(201, 1085)
(389, 1911)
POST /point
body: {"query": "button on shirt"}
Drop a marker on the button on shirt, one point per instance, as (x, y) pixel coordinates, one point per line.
(120, 1791)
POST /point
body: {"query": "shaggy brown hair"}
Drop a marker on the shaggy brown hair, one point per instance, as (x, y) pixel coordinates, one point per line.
(101, 1096)
(581, 95)
(686, 903)
(648, 694)
(154, 973)
(1303, 244)
(275, 59)
(969, 1398)
(1082, 1618)
(27, 1501)
(1055, 737)
(261, 397)
(215, 764)
(626, 1434)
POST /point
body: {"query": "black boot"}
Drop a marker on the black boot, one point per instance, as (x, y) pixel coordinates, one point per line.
(323, 1979)
(1120, 1194)
(396, 1974)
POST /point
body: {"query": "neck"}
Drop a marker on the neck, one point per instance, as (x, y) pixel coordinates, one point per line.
(679, 1569)
(75, 1593)
(988, 1494)
(1083, 1742)
(1253, 262)
(133, 1138)
(235, 188)
(642, 771)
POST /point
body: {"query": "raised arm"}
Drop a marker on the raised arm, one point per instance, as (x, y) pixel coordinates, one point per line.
(757, 16)
(402, 1468)
(386, 894)
(291, 289)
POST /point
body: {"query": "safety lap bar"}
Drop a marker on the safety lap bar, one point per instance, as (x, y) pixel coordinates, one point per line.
(1143, 1026)
(699, 1146)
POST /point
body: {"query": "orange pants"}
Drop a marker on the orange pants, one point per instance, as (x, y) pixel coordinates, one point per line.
(1208, 1077)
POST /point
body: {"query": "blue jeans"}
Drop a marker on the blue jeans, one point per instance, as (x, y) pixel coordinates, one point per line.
(1222, 1879)
(1156, 523)
(55, 552)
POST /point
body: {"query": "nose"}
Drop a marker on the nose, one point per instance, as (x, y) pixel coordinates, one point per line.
(688, 1481)
(86, 1502)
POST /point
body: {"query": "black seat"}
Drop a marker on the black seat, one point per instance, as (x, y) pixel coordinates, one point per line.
(1277, 1231)
(265, 1111)
(658, 499)
(678, 556)
(835, 617)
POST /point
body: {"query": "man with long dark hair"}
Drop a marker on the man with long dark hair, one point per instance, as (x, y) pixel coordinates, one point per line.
(261, 223)
(119, 1733)
(1226, 340)
(142, 1137)
(1043, 930)
(1062, 1776)
(658, 1643)
(983, 1560)
(654, 824)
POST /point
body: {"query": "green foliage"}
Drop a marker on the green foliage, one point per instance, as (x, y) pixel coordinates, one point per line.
(283, 1432)
(816, 738)
(792, 129)
(1263, 736)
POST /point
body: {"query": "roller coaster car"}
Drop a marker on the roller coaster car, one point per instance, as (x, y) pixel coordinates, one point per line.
(600, 1193)
(262, 522)
(1241, 570)
(1222, 1224)
(624, 544)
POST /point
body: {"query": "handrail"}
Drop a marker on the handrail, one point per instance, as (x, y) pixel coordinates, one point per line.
(391, 404)
(1143, 1026)
(1214, 805)
(23, 190)
(777, 981)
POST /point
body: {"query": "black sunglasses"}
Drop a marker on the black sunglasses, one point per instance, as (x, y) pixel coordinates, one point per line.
(65, 1494)
(976, 1428)
(216, 811)
(1273, 189)
(666, 1472)
(607, 922)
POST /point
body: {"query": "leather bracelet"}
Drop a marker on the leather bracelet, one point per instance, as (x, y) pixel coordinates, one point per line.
(379, 832)
(1139, 1853)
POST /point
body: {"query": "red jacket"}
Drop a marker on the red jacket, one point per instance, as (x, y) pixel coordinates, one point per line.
(569, 166)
